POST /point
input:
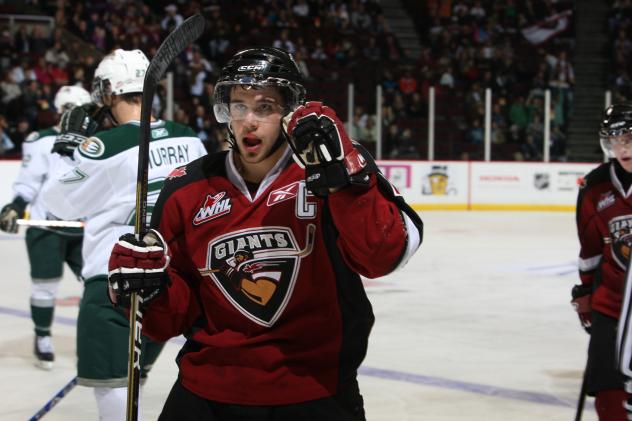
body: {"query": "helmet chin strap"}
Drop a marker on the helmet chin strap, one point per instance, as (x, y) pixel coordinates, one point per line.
(281, 138)
(112, 118)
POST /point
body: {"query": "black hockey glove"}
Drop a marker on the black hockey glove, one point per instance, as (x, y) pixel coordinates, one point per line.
(10, 214)
(76, 125)
(581, 302)
(138, 266)
(321, 145)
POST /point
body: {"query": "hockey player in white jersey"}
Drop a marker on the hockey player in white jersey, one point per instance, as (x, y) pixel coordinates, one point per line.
(99, 184)
(48, 248)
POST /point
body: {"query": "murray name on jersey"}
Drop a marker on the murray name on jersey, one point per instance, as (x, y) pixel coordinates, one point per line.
(100, 183)
(169, 155)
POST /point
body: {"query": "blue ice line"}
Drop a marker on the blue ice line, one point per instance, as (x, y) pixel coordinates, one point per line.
(481, 389)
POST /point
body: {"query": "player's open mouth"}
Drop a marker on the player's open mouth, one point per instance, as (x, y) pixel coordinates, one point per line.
(251, 142)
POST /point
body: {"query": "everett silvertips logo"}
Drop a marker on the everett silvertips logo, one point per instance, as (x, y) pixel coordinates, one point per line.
(256, 269)
(213, 207)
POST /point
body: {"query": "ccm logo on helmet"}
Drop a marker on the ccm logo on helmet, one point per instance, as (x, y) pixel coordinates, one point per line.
(251, 67)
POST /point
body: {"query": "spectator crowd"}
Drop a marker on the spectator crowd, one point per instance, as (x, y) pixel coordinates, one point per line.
(466, 47)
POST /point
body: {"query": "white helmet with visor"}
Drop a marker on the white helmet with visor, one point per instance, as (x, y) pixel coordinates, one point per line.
(70, 96)
(120, 72)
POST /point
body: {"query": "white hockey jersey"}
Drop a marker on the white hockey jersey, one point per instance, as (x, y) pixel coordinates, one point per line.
(37, 160)
(100, 183)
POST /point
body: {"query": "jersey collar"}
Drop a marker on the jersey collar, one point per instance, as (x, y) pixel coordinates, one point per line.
(153, 124)
(238, 181)
(617, 183)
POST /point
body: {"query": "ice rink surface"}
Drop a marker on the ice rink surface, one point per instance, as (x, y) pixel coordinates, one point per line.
(477, 327)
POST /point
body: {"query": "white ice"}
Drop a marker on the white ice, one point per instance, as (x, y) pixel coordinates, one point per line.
(477, 327)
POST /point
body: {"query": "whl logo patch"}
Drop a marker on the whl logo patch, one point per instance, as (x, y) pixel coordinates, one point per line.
(606, 200)
(213, 207)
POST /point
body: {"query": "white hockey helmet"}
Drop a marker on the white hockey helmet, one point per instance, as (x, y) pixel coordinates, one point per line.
(69, 97)
(120, 72)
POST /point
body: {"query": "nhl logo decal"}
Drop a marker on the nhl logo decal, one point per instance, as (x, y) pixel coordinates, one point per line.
(256, 269)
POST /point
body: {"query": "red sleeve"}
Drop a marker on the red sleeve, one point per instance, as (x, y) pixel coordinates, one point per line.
(174, 311)
(590, 239)
(372, 233)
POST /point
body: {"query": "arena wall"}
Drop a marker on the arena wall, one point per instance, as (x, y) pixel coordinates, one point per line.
(457, 185)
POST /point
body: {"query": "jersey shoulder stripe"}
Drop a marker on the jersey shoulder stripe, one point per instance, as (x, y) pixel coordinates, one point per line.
(176, 130)
(41, 134)
(196, 170)
(109, 143)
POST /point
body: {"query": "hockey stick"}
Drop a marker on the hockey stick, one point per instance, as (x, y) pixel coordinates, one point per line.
(174, 44)
(54, 400)
(582, 397)
(47, 223)
(309, 246)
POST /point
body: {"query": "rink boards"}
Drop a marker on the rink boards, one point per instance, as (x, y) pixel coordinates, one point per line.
(457, 185)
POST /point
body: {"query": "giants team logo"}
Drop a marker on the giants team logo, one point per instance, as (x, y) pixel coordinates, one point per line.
(621, 239)
(213, 207)
(256, 269)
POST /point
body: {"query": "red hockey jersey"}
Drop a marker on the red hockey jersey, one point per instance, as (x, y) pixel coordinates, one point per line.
(266, 289)
(604, 226)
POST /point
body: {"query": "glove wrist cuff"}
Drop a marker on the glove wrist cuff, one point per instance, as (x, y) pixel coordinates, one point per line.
(19, 204)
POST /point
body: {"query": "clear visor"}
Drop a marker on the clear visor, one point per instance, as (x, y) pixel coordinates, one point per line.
(262, 110)
(615, 139)
(101, 89)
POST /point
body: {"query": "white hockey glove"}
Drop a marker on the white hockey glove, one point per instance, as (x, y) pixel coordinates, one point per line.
(138, 266)
(76, 125)
(10, 213)
(321, 145)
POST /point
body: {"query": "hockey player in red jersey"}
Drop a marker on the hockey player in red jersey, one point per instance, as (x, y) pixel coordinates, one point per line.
(256, 259)
(604, 225)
